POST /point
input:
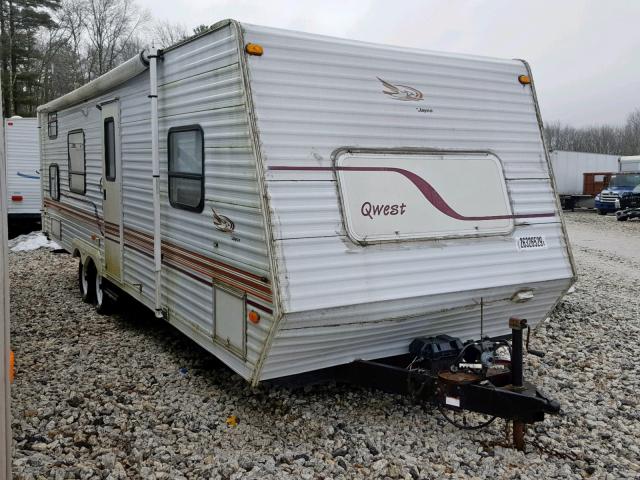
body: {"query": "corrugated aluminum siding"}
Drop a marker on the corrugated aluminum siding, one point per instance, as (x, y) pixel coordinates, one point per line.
(80, 215)
(569, 169)
(199, 83)
(23, 165)
(314, 95)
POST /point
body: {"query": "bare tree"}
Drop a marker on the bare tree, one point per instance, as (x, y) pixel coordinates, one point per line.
(615, 140)
(72, 21)
(165, 33)
(631, 132)
(111, 27)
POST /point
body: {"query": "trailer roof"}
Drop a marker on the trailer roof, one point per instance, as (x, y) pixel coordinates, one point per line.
(136, 65)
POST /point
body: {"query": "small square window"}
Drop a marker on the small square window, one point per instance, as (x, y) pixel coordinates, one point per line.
(186, 168)
(54, 181)
(77, 161)
(52, 125)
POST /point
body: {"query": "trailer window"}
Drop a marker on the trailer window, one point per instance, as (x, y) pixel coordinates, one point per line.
(186, 168)
(52, 125)
(77, 163)
(109, 149)
(54, 181)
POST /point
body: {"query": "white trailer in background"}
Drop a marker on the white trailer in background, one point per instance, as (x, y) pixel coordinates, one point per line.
(581, 176)
(629, 164)
(24, 196)
(293, 202)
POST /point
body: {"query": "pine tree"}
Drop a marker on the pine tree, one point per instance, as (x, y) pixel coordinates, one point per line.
(20, 23)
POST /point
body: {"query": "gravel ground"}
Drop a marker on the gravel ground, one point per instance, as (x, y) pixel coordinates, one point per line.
(128, 397)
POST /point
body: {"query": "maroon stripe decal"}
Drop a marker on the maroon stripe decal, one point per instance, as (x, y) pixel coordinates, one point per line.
(181, 265)
(138, 249)
(180, 250)
(213, 270)
(192, 261)
(187, 262)
(261, 307)
(79, 214)
(188, 274)
(428, 192)
(112, 227)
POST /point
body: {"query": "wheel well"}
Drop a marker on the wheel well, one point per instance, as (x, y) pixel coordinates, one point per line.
(92, 263)
(88, 255)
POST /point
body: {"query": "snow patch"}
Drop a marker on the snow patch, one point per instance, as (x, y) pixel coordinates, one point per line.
(31, 241)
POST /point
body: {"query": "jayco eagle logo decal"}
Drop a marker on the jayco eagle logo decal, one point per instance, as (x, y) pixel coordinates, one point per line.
(401, 92)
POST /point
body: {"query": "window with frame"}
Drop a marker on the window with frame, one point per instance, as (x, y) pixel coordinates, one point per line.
(54, 181)
(186, 167)
(52, 125)
(109, 149)
(77, 161)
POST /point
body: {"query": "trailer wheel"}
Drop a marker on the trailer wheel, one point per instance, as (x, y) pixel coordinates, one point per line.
(622, 218)
(86, 274)
(104, 303)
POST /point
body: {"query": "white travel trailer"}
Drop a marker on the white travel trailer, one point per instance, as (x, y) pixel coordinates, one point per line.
(24, 198)
(293, 202)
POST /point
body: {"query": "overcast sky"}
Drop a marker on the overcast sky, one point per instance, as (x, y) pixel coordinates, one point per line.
(585, 55)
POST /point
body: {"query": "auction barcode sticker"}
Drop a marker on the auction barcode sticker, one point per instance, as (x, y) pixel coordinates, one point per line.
(531, 242)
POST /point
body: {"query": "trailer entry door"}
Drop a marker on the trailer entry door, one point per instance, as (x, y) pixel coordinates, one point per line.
(404, 196)
(111, 188)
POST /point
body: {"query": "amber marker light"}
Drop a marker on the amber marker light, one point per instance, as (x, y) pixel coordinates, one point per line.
(12, 366)
(254, 317)
(254, 49)
(524, 79)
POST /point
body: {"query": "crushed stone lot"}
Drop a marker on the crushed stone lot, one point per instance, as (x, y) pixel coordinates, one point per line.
(126, 396)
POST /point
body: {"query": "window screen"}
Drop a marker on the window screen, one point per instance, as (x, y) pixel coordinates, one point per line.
(75, 150)
(109, 149)
(186, 168)
(52, 125)
(54, 181)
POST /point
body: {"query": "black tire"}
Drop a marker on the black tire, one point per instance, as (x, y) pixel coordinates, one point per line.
(601, 212)
(86, 280)
(103, 304)
(622, 218)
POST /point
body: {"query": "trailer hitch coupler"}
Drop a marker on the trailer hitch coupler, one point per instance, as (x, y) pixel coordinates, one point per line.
(517, 326)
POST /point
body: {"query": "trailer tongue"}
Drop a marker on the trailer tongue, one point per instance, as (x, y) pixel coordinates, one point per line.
(483, 376)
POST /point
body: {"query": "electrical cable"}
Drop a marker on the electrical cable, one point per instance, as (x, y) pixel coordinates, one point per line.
(465, 427)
